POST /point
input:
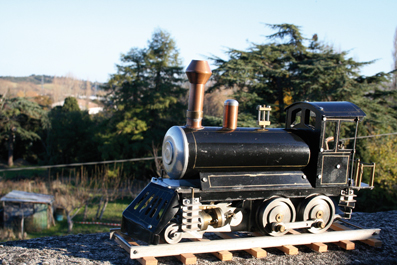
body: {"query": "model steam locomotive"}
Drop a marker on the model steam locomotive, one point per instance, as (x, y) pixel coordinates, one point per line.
(250, 179)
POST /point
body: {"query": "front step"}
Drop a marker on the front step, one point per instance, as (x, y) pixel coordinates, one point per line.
(347, 203)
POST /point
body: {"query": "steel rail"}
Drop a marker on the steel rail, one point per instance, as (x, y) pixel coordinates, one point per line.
(163, 250)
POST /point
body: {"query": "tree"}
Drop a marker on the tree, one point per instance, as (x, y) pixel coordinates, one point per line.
(146, 97)
(72, 135)
(70, 105)
(20, 119)
(5, 86)
(66, 85)
(44, 101)
(394, 66)
(87, 93)
(384, 196)
(382, 151)
(71, 197)
(292, 68)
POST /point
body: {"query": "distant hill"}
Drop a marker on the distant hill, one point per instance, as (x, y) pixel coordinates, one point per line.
(54, 88)
(35, 79)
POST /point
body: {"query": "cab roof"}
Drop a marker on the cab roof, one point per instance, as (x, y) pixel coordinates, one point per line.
(334, 109)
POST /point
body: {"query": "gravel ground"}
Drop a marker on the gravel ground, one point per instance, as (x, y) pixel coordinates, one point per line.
(98, 249)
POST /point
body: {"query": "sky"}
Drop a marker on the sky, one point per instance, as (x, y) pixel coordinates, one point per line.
(86, 38)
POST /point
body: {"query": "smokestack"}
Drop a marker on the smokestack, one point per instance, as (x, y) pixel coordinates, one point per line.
(230, 113)
(198, 73)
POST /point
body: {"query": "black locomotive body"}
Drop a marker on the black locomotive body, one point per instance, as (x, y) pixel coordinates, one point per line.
(250, 179)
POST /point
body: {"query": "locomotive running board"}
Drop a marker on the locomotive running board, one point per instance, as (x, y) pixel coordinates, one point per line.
(140, 251)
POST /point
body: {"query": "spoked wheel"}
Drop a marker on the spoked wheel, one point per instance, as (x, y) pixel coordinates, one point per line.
(171, 234)
(274, 213)
(319, 208)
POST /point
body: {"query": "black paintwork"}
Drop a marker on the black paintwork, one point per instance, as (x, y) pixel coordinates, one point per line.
(247, 166)
(149, 213)
(339, 109)
(253, 180)
(244, 149)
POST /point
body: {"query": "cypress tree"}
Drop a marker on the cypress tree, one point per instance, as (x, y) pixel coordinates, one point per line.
(291, 68)
(20, 119)
(145, 96)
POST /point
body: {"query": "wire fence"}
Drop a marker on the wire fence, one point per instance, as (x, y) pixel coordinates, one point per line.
(144, 158)
(370, 136)
(82, 164)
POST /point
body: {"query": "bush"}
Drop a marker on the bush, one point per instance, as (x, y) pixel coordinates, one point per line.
(376, 200)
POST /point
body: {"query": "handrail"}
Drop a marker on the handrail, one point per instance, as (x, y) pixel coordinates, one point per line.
(359, 170)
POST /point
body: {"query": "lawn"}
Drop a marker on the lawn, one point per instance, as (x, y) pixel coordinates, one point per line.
(23, 174)
(112, 214)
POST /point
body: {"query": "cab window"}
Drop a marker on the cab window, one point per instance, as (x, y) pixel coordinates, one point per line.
(296, 117)
(310, 119)
(346, 134)
(329, 135)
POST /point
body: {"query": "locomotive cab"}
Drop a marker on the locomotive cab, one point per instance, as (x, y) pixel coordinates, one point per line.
(330, 129)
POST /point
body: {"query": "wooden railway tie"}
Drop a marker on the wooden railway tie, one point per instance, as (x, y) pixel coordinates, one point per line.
(254, 244)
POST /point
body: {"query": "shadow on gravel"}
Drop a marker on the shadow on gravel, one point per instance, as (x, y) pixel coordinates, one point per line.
(83, 249)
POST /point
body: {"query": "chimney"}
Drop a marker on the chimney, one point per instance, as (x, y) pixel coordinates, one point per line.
(198, 73)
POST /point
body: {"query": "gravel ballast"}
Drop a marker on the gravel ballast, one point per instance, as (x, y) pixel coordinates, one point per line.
(99, 249)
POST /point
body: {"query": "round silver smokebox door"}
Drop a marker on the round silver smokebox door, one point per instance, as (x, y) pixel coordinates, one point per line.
(175, 152)
(168, 152)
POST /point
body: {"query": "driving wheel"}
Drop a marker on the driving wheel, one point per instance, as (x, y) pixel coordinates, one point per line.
(274, 213)
(320, 209)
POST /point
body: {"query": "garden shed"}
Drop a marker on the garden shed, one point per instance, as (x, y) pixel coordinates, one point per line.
(25, 208)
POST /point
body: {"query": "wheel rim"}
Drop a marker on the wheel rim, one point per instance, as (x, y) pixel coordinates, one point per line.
(171, 234)
(274, 213)
(320, 208)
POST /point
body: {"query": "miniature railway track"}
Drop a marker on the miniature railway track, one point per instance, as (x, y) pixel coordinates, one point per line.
(254, 244)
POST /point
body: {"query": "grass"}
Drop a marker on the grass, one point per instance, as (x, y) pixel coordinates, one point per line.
(25, 174)
(58, 182)
(112, 214)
